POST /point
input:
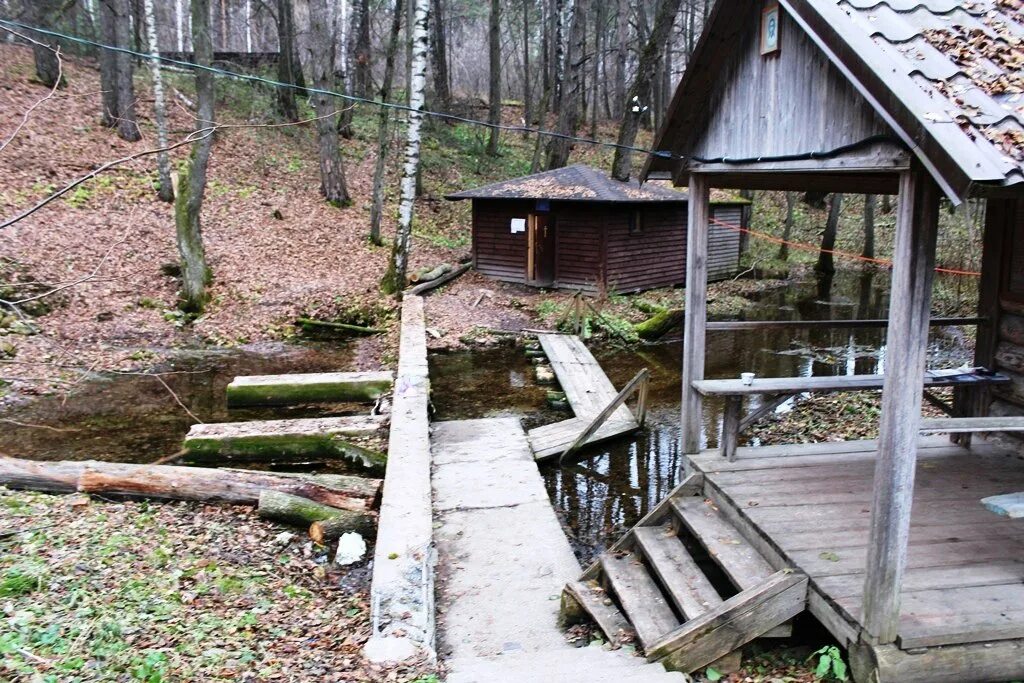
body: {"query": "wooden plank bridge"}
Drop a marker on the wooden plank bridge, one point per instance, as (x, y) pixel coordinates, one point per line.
(588, 391)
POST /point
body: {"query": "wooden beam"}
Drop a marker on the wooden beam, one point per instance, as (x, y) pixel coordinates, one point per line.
(603, 416)
(906, 344)
(731, 325)
(696, 310)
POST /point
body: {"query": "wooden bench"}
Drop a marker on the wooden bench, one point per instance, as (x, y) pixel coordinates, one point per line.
(778, 390)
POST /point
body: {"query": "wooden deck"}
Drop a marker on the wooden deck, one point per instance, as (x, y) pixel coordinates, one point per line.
(809, 507)
(588, 391)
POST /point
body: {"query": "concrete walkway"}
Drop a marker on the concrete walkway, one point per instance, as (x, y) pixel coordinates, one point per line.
(502, 562)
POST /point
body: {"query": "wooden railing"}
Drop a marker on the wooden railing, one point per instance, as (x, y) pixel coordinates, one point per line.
(828, 324)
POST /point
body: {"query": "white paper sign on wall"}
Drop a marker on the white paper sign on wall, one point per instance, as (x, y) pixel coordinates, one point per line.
(518, 225)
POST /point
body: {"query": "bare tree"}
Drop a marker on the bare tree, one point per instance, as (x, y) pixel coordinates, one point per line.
(195, 274)
(640, 91)
(286, 62)
(394, 278)
(494, 92)
(621, 52)
(321, 58)
(439, 55)
(787, 229)
(361, 68)
(870, 201)
(44, 13)
(569, 99)
(383, 127)
(163, 160)
(527, 44)
(826, 263)
(116, 70)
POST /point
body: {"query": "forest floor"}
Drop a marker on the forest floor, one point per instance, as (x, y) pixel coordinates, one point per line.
(111, 591)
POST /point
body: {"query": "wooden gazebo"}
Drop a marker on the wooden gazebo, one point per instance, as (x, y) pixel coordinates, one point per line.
(886, 542)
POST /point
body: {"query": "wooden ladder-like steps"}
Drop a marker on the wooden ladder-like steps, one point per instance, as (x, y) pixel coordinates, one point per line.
(640, 597)
(651, 583)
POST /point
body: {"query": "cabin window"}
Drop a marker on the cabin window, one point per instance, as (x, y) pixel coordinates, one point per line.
(636, 222)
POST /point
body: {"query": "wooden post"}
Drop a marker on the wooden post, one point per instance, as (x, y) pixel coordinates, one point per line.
(696, 309)
(731, 427)
(907, 339)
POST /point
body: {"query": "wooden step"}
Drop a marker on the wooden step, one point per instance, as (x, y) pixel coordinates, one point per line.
(740, 561)
(687, 585)
(737, 621)
(640, 597)
(592, 599)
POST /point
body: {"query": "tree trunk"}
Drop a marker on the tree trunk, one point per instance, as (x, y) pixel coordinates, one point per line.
(527, 76)
(163, 159)
(622, 37)
(122, 105)
(286, 65)
(361, 68)
(559, 148)
(542, 118)
(826, 264)
(108, 64)
(383, 127)
(321, 57)
(886, 203)
(596, 57)
(869, 225)
(439, 56)
(637, 99)
(192, 185)
(173, 482)
(787, 229)
(394, 278)
(494, 91)
(44, 13)
(291, 509)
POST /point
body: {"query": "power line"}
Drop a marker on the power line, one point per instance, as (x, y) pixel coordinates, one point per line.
(350, 98)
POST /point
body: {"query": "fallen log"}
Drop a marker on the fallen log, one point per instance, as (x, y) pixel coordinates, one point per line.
(286, 440)
(437, 282)
(326, 530)
(428, 274)
(284, 507)
(313, 325)
(319, 387)
(173, 482)
(659, 324)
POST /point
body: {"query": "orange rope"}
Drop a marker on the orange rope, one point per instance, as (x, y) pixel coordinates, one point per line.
(835, 252)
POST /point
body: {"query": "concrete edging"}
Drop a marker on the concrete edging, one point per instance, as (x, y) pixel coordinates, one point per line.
(402, 590)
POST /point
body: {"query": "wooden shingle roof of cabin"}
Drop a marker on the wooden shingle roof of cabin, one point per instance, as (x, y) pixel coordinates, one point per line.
(573, 183)
(946, 75)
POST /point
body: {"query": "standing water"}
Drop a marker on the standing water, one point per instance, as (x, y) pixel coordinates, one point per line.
(615, 484)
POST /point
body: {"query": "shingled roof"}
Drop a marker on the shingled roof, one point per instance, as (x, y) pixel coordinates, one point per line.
(947, 74)
(573, 183)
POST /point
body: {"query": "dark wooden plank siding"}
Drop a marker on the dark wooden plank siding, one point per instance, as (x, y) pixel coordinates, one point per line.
(578, 235)
(653, 257)
(497, 252)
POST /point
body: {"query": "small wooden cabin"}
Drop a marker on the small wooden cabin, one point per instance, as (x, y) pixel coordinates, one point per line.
(908, 547)
(577, 228)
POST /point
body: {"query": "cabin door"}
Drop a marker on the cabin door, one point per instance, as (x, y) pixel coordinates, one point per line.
(540, 267)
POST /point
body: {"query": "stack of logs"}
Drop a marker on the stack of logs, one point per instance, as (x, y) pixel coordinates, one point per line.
(329, 504)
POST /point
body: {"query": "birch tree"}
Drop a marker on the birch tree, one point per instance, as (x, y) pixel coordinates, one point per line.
(383, 125)
(639, 94)
(192, 185)
(394, 278)
(163, 159)
(321, 54)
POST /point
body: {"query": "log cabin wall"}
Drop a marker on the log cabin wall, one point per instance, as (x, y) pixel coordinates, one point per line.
(580, 250)
(497, 252)
(1007, 216)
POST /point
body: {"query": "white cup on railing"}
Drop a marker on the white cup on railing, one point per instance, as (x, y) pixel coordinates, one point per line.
(747, 378)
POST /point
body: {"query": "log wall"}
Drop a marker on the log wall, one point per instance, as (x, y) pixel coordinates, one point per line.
(594, 244)
(1007, 216)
